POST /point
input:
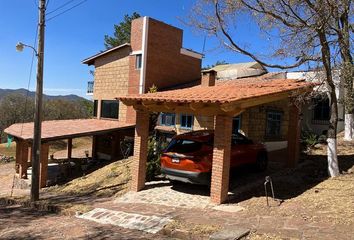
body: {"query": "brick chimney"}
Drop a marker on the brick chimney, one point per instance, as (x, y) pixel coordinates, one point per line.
(208, 78)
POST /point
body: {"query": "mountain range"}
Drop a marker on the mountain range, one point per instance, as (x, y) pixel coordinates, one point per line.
(22, 91)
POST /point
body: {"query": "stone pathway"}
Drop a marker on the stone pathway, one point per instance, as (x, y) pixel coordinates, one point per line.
(177, 196)
(150, 224)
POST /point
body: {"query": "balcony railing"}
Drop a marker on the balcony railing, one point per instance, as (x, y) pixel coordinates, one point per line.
(90, 85)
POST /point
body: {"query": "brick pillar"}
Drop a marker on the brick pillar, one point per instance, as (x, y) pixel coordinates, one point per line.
(140, 151)
(221, 159)
(44, 165)
(70, 147)
(293, 136)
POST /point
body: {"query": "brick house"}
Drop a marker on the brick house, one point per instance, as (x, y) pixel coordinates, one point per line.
(258, 103)
(154, 56)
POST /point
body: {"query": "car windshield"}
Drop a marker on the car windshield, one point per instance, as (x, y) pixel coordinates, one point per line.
(183, 146)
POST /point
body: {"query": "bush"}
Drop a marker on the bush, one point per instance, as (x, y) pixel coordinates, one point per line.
(153, 160)
(309, 139)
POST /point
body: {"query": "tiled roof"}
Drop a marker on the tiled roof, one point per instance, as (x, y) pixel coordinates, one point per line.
(225, 91)
(62, 129)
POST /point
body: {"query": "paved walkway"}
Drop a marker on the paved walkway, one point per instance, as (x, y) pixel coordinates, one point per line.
(17, 222)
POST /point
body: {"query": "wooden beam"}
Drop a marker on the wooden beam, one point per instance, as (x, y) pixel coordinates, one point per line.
(44, 165)
(196, 106)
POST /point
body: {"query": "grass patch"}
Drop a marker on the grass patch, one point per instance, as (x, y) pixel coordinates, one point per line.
(8, 151)
(194, 229)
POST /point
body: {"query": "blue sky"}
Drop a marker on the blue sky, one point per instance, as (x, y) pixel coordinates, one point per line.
(79, 33)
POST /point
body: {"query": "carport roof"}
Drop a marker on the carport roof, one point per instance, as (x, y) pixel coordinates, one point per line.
(226, 91)
(230, 97)
(63, 129)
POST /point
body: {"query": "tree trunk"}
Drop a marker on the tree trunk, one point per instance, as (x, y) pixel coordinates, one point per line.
(349, 127)
(333, 168)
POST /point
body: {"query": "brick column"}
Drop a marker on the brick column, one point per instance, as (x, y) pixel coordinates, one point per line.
(44, 165)
(293, 136)
(221, 159)
(140, 151)
(70, 147)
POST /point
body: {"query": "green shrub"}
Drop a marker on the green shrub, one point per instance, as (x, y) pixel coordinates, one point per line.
(309, 139)
(153, 160)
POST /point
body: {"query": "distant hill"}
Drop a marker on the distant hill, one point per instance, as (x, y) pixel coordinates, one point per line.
(22, 91)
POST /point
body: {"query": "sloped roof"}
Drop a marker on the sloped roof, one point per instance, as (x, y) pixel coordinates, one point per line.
(225, 91)
(91, 60)
(62, 129)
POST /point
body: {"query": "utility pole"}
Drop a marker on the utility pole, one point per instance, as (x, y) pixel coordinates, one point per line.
(36, 147)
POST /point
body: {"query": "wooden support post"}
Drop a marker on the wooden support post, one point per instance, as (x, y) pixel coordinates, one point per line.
(93, 151)
(18, 155)
(293, 136)
(22, 158)
(221, 159)
(70, 147)
(44, 165)
(140, 151)
(24, 162)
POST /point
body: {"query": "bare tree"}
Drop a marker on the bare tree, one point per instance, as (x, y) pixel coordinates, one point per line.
(341, 12)
(302, 34)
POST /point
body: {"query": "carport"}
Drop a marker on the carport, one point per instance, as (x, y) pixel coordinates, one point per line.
(59, 130)
(223, 100)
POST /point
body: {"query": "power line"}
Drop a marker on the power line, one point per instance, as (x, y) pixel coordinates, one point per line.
(29, 79)
(61, 6)
(76, 5)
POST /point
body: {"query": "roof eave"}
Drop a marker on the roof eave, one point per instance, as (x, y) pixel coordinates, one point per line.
(91, 60)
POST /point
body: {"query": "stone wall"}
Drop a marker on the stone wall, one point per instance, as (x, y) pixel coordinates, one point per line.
(111, 78)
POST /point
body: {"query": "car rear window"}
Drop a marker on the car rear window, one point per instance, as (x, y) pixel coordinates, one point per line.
(183, 146)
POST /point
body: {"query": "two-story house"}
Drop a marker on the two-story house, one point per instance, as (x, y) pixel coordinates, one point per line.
(153, 57)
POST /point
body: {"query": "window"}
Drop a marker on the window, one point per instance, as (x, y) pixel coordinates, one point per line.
(138, 59)
(187, 121)
(273, 124)
(167, 119)
(321, 110)
(183, 146)
(109, 109)
(95, 104)
(236, 124)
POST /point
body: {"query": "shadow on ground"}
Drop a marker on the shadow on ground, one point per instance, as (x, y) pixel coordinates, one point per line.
(246, 183)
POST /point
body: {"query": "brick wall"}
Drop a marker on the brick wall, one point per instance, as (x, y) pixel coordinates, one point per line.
(111, 77)
(165, 65)
(254, 121)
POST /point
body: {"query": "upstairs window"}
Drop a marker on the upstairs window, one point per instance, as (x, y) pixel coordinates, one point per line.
(109, 109)
(187, 121)
(138, 59)
(273, 128)
(167, 119)
(321, 111)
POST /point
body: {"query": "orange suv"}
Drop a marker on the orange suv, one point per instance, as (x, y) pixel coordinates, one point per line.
(188, 157)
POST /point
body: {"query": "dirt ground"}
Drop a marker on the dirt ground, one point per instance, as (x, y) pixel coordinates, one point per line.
(310, 203)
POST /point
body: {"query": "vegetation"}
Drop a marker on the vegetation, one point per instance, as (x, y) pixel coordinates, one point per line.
(121, 33)
(17, 108)
(298, 32)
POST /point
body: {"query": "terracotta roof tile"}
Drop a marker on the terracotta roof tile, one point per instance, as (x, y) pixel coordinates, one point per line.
(225, 91)
(61, 129)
